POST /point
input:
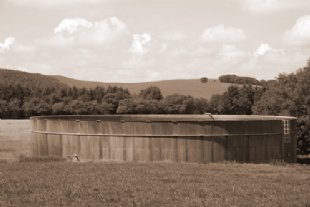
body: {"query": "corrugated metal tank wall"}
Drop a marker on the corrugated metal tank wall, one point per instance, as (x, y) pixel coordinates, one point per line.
(175, 138)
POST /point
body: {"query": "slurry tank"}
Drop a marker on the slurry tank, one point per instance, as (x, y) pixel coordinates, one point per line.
(172, 138)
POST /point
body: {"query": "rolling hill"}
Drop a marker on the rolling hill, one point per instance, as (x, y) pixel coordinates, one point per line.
(191, 87)
(30, 80)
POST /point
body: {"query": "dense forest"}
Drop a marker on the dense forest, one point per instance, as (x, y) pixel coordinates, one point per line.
(289, 94)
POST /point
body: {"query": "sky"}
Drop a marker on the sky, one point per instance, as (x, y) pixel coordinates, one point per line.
(149, 40)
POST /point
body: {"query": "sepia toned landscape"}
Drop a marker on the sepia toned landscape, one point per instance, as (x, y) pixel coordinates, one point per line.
(154, 103)
(156, 184)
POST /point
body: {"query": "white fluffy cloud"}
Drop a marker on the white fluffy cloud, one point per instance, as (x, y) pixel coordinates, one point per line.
(221, 33)
(262, 6)
(72, 25)
(6, 45)
(82, 31)
(139, 42)
(262, 49)
(300, 33)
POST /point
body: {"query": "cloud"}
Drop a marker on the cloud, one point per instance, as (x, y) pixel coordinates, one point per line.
(173, 36)
(74, 31)
(6, 45)
(263, 6)
(139, 42)
(221, 33)
(72, 25)
(299, 35)
(231, 52)
(54, 3)
(262, 49)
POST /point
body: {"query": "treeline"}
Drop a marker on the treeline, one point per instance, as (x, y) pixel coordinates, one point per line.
(19, 102)
(238, 79)
(288, 95)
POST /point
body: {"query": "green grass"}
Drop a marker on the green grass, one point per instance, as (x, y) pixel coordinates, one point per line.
(157, 184)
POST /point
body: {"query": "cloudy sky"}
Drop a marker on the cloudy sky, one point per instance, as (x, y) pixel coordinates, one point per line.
(146, 40)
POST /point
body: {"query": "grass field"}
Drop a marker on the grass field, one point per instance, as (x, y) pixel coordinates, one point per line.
(138, 184)
(157, 184)
(14, 139)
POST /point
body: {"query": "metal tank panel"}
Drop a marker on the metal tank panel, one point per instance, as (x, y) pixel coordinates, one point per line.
(172, 138)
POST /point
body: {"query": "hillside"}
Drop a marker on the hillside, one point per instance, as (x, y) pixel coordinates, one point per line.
(29, 80)
(191, 87)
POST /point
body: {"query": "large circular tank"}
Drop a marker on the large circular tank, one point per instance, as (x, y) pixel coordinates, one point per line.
(174, 138)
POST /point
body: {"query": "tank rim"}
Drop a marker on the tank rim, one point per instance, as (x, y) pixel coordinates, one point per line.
(167, 117)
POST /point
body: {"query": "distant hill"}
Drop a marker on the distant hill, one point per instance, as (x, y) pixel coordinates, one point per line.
(29, 80)
(191, 87)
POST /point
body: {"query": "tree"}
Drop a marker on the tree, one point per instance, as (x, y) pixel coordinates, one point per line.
(204, 80)
(151, 93)
(290, 95)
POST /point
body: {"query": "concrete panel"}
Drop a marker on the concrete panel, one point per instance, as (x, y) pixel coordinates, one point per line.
(155, 149)
(163, 128)
(95, 142)
(181, 149)
(142, 150)
(176, 138)
(168, 149)
(117, 149)
(207, 149)
(195, 149)
(54, 141)
(105, 141)
(129, 142)
(236, 127)
(42, 138)
(219, 128)
(34, 139)
(84, 153)
(219, 149)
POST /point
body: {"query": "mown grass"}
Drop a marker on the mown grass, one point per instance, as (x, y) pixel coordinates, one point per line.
(156, 184)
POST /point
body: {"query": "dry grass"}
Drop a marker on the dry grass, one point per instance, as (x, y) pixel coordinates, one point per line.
(159, 184)
(14, 139)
